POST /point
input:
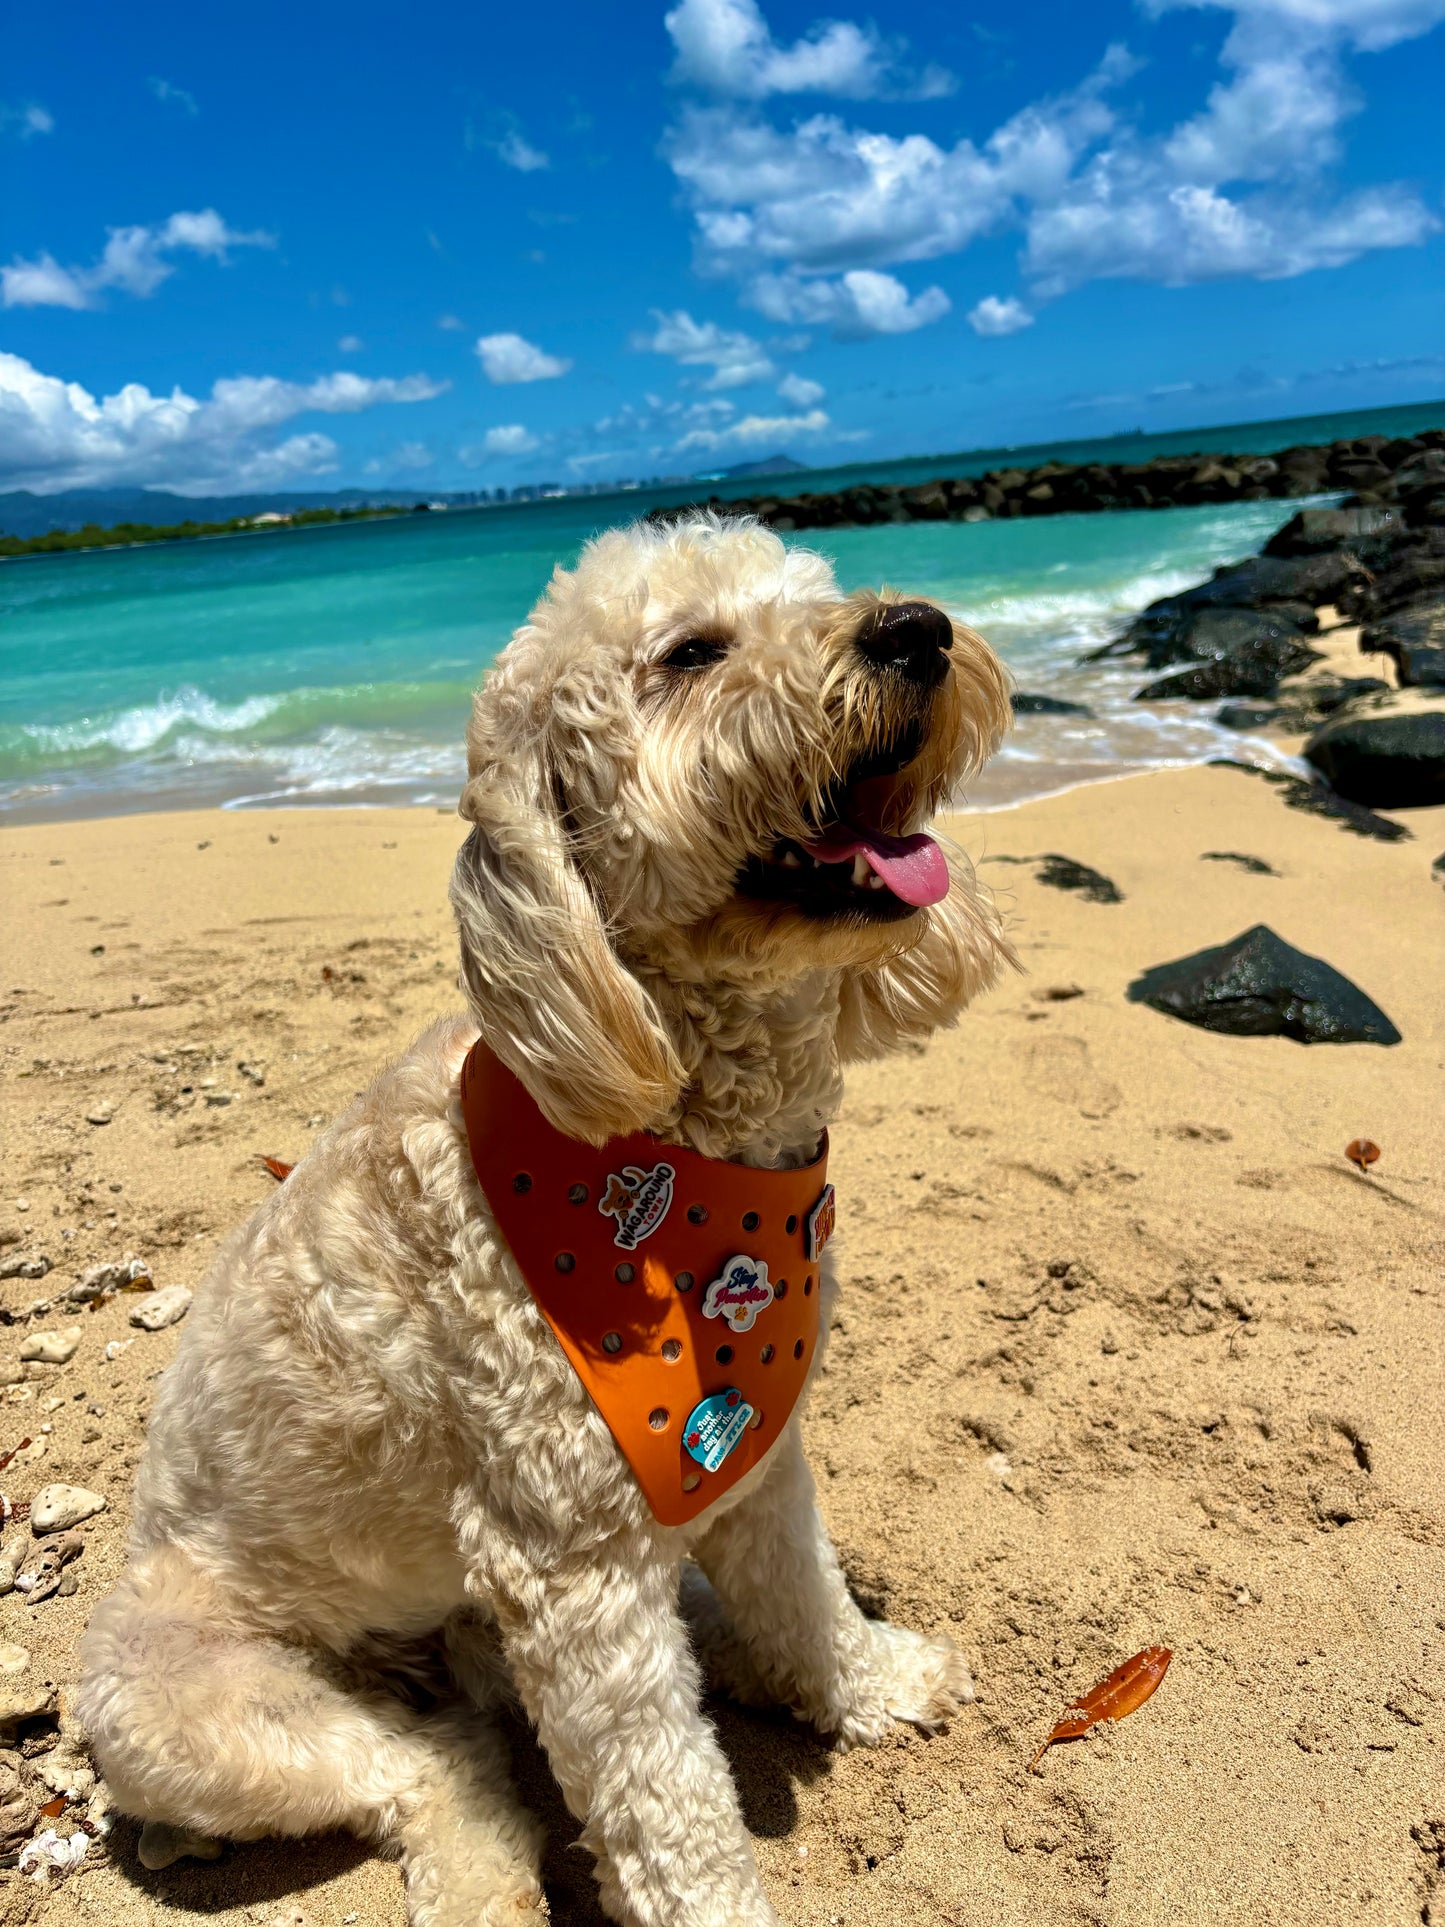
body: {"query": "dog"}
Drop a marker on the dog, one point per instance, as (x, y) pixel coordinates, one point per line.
(370, 1438)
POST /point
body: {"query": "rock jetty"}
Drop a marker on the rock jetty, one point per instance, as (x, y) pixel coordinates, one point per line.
(1374, 469)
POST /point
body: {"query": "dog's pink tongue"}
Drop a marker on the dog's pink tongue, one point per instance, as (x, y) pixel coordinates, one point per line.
(913, 867)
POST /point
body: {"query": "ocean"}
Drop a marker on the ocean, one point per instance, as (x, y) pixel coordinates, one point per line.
(334, 666)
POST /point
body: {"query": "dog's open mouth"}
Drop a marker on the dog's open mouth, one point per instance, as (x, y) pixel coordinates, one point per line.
(853, 866)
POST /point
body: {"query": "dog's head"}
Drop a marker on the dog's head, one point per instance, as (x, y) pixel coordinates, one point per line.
(700, 760)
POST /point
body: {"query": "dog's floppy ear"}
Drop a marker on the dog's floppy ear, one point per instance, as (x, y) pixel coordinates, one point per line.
(925, 988)
(547, 989)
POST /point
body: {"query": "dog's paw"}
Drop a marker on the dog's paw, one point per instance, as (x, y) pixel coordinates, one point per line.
(918, 1677)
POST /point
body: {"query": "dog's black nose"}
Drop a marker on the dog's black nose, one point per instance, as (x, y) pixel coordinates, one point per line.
(912, 637)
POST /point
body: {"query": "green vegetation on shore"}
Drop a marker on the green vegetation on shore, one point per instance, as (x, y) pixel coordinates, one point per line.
(128, 534)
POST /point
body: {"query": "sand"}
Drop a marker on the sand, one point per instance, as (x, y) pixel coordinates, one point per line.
(1127, 1351)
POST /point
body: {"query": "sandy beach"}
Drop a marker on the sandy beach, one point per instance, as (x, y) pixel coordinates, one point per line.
(1127, 1353)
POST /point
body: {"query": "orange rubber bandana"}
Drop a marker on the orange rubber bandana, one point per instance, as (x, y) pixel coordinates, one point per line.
(683, 1289)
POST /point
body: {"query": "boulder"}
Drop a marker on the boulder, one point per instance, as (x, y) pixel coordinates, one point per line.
(1247, 715)
(1385, 762)
(1415, 638)
(1260, 986)
(1254, 670)
(1175, 631)
(1025, 704)
(1316, 531)
(1413, 575)
(1264, 581)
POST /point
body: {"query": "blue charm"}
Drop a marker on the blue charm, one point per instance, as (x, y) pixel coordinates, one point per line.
(714, 1427)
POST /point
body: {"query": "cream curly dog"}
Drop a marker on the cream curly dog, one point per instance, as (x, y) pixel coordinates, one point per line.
(370, 1436)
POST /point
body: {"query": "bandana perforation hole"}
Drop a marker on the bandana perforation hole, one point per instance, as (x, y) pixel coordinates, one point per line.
(657, 1418)
(792, 1223)
(724, 1354)
(612, 1341)
(690, 1481)
(767, 1354)
(672, 1350)
(697, 1214)
(522, 1183)
(684, 1281)
(751, 1221)
(565, 1261)
(578, 1194)
(807, 1287)
(625, 1274)
(755, 1421)
(798, 1349)
(780, 1289)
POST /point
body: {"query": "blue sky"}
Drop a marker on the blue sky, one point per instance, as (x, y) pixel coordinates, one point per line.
(329, 245)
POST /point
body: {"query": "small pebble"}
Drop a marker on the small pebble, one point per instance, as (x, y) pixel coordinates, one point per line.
(21, 1703)
(166, 1307)
(51, 1348)
(13, 1659)
(55, 1508)
(100, 1114)
(27, 1266)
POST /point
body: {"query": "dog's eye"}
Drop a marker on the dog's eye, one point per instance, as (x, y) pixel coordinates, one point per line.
(697, 652)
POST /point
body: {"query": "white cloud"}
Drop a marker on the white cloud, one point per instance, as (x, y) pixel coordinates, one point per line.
(136, 260)
(170, 95)
(752, 429)
(1239, 187)
(511, 438)
(860, 304)
(801, 392)
(350, 344)
(515, 151)
(55, 434)
(406, 458)
(725, 47)
(26, 121)
(735, 358)
(991, 316)
(510, 358)
(453, 323)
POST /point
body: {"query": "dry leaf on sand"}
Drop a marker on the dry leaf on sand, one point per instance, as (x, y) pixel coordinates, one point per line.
(1114, 1698)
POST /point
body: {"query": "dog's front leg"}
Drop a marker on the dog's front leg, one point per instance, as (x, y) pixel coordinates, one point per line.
(604, 1666)
(780, 1584)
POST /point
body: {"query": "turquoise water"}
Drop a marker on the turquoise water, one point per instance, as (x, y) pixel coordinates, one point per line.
(335, 665)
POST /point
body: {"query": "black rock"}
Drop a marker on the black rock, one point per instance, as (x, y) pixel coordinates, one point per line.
(1247, 715)
(1263, 581)
(1316, 531)
(1384, 762)
(1415, 638)
(1027, 705)
(1260, 986)
(1254, 670)
(1175, 631)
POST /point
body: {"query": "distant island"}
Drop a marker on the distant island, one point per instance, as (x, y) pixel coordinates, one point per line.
(126, 535)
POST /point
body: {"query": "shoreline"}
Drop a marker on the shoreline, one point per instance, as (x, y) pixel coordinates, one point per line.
(1119, 1262)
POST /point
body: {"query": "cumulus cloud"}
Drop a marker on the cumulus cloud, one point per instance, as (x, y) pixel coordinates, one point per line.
(993, 316)
(725, 46)
(136, 261)
(749, 430)
(514, 150)
(856, 306)
(511, 438)
(1238, 187)
(170, 95)
(511, 358)
(735, 358)
(55, 434)
(801, 392)
(26, 121)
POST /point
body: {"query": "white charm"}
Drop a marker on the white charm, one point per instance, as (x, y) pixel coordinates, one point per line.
(740, 1293)
(639, 1200)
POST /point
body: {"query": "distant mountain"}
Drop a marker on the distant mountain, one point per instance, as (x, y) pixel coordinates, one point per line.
(769, 465)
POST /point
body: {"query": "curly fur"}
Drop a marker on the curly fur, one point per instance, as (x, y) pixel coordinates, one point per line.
(370, 1446)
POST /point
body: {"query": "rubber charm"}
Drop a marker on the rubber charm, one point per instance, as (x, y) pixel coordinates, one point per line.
(740, 1293)
(639, 1200)
(821, 1220)
(714, 1427)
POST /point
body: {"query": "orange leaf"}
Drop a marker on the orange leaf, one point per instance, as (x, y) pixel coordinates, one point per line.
(1361, 1151)
(54, 1808)
(1114, 1698)
(278, 1168)
(8, 1456)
